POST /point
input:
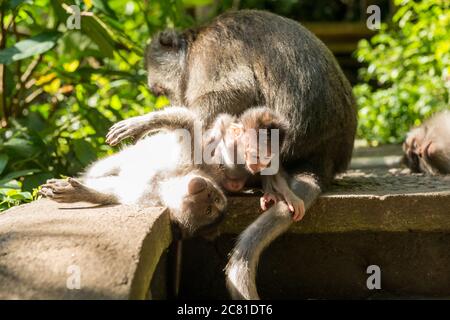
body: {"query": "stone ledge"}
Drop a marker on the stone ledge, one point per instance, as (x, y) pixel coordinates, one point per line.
(397, 221)
(117, 249)
(373, 200)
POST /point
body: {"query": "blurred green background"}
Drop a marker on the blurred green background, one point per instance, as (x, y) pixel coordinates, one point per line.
(60, 89)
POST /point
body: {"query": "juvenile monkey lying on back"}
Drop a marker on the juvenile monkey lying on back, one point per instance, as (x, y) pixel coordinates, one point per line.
(243, 146)
(427, 148)
(157, 171)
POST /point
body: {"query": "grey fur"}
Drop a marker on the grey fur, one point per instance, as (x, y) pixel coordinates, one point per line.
(138, 175)
(427, 147)
(248, 58)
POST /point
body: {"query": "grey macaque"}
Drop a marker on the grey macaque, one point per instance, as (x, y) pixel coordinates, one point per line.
(427, 147)
(157, 171)
(249, 58)
(258, 155)
(231, 139)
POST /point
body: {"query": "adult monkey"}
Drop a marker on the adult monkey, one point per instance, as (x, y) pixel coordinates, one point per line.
(248, 58)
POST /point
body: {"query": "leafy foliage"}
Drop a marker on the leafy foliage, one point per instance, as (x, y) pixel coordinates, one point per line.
(64, 88)
(407, 77)
(61, 89)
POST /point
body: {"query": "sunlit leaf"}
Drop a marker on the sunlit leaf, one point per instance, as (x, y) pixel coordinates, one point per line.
(71, 66)
(199, 3)
(29, 47)
(46, 78)
(88, 4)
(161, 102)
(115, 103)
(53, 86)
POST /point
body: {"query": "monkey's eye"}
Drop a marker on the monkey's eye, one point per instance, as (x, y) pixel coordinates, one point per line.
(209, 211)
(217, 200)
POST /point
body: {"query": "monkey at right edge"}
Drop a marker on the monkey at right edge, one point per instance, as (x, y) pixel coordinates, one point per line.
(427, 147)
(248, 58)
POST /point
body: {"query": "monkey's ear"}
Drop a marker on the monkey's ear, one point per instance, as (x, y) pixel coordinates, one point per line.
(170, 39)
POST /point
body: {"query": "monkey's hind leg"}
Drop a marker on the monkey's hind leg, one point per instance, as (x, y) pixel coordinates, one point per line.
(72, 190)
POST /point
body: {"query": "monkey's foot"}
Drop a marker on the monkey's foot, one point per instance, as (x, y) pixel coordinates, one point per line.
(296, 206)
(268, 200)
(62, 190)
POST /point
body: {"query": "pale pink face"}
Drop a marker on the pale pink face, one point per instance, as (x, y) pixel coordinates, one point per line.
(254, 153)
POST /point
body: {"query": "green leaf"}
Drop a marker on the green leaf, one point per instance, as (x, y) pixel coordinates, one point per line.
(35, 180)
(3, 161)
(97, 120)
(91, 26)
(84, 152)
(103, 6)
(16, 174)
(13, 184)
(60, 13)
(22, 196)
(196, 3)
(13, 4)
(20, 147)
(29, 47)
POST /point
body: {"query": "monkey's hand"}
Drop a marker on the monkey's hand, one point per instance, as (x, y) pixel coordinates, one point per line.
(65, 191)
(295, 204)
(268, 200)
(134, 128)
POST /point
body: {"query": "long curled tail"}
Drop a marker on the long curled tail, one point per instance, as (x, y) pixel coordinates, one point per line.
(241, 268)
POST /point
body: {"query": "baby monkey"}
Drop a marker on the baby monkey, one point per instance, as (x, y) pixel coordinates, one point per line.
(260, 149)
(140, 175)
(243, 147)
(427, 147)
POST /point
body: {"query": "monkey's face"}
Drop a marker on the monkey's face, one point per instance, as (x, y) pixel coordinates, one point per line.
(164, 61)
(241, 156)
(257, 156)
(262, 129)
(202, 206)
(234, 178)
(424, 153)
(411, 149)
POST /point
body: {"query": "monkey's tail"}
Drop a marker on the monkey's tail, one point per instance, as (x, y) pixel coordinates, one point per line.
(241, 268)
